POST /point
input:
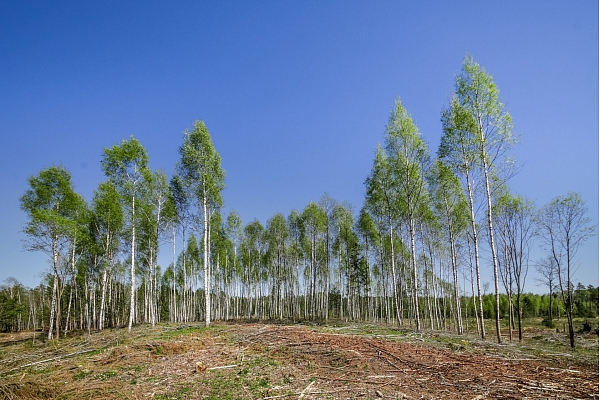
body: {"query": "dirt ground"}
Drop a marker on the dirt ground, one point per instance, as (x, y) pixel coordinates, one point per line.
(261, 361)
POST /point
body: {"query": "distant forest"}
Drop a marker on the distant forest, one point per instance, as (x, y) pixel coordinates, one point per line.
(410, 256)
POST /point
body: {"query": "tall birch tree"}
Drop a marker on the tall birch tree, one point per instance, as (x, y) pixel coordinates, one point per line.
(200, 169)
(313, 226)
(450, 204)
(50, 203)
(489, 136)
(457, 150)
(409, 158)
(106, 225)
(380, 200)
(127, 166)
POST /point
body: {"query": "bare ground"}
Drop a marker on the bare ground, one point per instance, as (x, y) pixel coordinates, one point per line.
(261, 361)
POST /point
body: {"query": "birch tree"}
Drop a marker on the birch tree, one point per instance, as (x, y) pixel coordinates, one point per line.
(200, 169)
(380, 200)
(182, 202)
(486, 129)
(409, 157)
(277, 233)
(546, 268)
(343, 222)
(106, 225)
(515, 226)
(252, 250)
(450, 204)
(457, 150)
(50, 203)
(313, 226)
(127, 166)
(234, 231)
(564, 226)
(157, 198)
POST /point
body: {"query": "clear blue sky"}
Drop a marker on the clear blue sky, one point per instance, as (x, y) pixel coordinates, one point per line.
(295, 94)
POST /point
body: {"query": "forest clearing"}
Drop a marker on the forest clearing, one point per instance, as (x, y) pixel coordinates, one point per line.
(268, 361)
(395, 200)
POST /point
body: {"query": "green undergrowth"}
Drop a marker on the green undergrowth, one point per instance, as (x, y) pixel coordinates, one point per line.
(253, 378)
(170, 331)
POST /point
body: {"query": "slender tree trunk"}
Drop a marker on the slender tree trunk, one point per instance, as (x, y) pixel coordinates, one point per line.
(415, 275)
(550, 299)
(510, 316)
(174, 295)
(392, 256)
(69, 309)
(132, 270)
(206, 266)
(492, 246)
(103, 299)
(569, 299)
(54, 289)
(476, 256)
(473, 289)
(456, 288)
(519, 315)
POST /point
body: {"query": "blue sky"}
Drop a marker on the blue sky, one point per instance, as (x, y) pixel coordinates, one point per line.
(296, 95)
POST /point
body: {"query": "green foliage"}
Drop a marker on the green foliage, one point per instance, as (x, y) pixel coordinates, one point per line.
(536, 305)
(367, 228)
(585, 301)
(314, 220)
(126, 165)
(457, 146)
(409, 158)
(50, 204)
(379, 185)
(479, 96)
(548, 323)
(10, 309)
(107, 218)
(200, 166)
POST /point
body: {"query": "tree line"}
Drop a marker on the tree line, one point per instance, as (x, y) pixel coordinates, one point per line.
(400, 258)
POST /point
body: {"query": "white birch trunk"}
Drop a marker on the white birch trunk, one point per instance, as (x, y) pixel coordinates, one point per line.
(206, 266)
(132, 271)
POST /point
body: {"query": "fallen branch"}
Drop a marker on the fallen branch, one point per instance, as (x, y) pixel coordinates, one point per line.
(306, 389)
(544, 388)
(47, 360)
(222, 367)
(563, 370)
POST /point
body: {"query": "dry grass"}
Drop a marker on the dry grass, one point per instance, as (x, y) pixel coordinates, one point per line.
(262, 361)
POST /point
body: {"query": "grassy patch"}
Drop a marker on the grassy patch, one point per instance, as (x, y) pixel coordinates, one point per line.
(262, 362)
(81, 375)
(170, 332)
(106, 375)
(451, 342)
(181, 331)
(183, 392)
(226, 386)
(253, 379)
